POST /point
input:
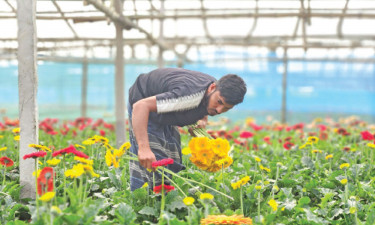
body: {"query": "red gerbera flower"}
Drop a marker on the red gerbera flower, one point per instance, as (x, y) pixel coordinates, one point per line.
(102, 132)
(287, 145)
(5, 161)
(45, 180)
(367, 135)
(70, 149)
(162, 162)
(246, 134)
(256, 127)
(267, 140)
(35, 155)
(167, 188)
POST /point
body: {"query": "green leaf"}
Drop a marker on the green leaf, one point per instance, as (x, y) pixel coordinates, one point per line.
(177, 204)
(114, 180)
(148, 211)
(327, 197)
(175, 221)
(125, 214)
(71, 219)
(13, 210)
(73, 196)
(17, 222)
(290, 204)
(303, 201)
(307, 162)
(312, 217)
(371, 217)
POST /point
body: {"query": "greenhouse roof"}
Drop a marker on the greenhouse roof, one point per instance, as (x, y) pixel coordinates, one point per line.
(341, 28)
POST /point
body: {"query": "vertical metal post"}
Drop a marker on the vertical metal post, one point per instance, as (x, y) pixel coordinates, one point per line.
(119, 81)
(27, 89)
(84, 86)
(161, 36)
(284, 88)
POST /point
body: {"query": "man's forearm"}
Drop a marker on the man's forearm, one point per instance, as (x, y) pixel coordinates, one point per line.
(139, 123)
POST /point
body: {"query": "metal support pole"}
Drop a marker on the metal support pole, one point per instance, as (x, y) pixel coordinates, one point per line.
(284, 88)
(119, 80)
(27, 89)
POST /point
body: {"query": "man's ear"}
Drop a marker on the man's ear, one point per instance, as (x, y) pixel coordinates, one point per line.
(211, 88)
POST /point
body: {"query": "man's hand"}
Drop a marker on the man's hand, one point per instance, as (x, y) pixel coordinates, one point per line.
(202, 123)
(146, 157)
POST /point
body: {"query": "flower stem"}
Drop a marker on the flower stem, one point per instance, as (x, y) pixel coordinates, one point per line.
(36, 188)
(3, 176)
(64, 178)
(186, 179)
(259, 205)
(241, 200)
(162, 196)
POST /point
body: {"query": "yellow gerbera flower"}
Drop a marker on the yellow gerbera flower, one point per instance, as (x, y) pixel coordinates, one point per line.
(3, 149)
(344, 165)
(186, 151)
(83, 160)
(220, 146)
(223, 219)
(206, 196)
(38, 173)
(329, 156)
(313, 139)
(125, 146)
(273, 204)
(344, 181)
(53, 162)
(47, 196)
(108, 157)
(17, 138)
(16, 130)
(188, 201)
(264, 168)
(80, 146)
(371, 145)
(56, 209)
(40, 147)
(75, 172)
(145, 185)
(257, 159)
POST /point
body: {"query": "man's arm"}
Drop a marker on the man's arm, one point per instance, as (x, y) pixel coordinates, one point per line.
(141, 111)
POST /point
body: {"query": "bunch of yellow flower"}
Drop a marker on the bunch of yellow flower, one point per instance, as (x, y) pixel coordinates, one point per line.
(240, 183)
(210, 154)
(114, 158)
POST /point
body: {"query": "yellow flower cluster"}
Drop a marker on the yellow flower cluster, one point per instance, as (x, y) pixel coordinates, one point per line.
(80, 169)
(210, 154)
(114, 158)
(273, 204)
(240, 183)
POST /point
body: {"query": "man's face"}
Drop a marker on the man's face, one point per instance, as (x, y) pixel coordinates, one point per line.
(216, 103)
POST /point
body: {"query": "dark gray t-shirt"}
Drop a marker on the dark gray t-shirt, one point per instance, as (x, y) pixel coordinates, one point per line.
(180, 95)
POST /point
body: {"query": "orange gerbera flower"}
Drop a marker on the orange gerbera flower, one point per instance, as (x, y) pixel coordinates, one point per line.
(223, 219)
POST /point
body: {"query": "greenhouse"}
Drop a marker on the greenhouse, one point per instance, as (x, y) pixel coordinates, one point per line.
(109, 112)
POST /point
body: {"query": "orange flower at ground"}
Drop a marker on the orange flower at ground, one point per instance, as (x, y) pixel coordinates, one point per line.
(223, 219)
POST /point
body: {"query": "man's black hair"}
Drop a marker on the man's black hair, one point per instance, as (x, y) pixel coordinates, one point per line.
(232, 88)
